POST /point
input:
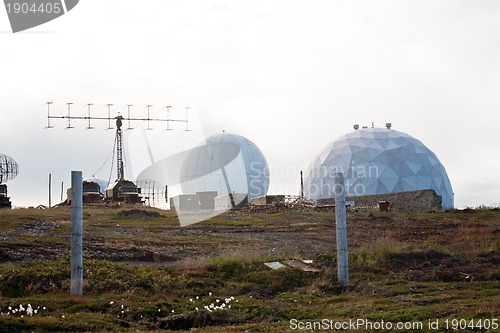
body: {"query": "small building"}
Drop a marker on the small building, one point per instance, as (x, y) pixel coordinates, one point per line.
(185, 203)
(91, 192)
(268, 199)
(207, 199)
(122, 190)
(228, 201)
(4, 199)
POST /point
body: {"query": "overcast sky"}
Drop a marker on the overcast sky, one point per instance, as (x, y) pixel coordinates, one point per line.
(289, 75)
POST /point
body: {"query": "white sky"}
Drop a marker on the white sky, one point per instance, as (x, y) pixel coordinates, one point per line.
(289, 75)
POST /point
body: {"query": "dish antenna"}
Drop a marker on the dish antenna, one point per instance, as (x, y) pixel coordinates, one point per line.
(8, 168)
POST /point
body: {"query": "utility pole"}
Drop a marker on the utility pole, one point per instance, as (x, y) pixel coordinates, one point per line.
(340, 217)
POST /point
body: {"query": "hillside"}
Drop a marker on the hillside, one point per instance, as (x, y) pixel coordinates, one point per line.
(144, 273)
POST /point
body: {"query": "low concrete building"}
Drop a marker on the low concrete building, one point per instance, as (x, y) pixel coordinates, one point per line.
(400, 201)
(185, 203)
(267, 199)
(207, 199)
(223, 202)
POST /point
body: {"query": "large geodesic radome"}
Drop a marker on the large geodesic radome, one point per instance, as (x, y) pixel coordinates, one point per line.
(377, 161)
(225, 163)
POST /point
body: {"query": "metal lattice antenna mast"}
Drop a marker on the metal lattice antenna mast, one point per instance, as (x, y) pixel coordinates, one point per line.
(119, 149)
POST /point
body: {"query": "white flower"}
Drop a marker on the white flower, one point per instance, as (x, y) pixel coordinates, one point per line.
(229, 306)
(29, 310)
(232, 298)
(123, 311)
(122, 306)
(196, 308)
(210, 294)
(159, 310)
(217, 300)
(63, 316)
(44, 308)
(212, 306)
(191, 300)
(197, 297)
(10, 308)
(110, 303)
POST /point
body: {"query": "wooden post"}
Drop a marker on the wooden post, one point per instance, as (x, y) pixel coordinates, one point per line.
(340, 216)
(76, 234)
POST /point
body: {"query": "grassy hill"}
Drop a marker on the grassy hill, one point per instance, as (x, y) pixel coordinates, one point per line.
(143, 272)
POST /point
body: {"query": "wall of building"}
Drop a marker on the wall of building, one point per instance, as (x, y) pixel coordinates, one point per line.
(223, 202)
(401, 201)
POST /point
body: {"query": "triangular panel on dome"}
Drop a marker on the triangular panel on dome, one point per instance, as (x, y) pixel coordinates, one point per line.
(438, 181)
(371, 188)
(367, 141)
(390, 183)
(398, 187)
(374, 153)
(374, 170)
(381, 134)
(357, 149)
(424, 183)
(383, 142)
(392, 144)
(389, 173)
(344, 160)
(413, 166)
(421, 149)
(409, 183)
(381, 188)
(375, 145)
(364, 154)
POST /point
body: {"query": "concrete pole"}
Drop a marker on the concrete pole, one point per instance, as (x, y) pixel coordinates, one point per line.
(50, 190)
(76, 234)
(340, 216)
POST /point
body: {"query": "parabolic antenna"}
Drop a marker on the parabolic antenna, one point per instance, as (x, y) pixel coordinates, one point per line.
(8, 168)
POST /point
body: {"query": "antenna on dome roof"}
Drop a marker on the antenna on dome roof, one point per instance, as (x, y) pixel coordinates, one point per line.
(373, 124)
(388, 125)
(356, 127)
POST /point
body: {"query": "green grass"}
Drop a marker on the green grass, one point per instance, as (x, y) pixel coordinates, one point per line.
(403, 267)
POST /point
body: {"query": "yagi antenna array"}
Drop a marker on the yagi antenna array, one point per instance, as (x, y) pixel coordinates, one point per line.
(109, 118)
(119, 123)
